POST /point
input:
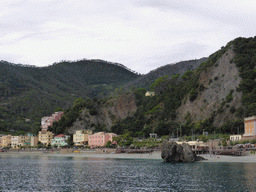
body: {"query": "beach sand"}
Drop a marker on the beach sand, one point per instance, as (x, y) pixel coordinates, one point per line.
(153, 156)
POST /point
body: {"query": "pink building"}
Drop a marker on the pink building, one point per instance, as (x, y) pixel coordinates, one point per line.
(48, 121)
(100, 139)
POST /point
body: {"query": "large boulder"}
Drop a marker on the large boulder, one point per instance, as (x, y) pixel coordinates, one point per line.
(172, 152)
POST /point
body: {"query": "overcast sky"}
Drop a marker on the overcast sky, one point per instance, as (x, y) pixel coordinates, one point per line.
(140, 34)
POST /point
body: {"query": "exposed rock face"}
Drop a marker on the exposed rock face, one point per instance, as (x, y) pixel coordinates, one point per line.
(218, 81)
(108, 114)
(172, 152)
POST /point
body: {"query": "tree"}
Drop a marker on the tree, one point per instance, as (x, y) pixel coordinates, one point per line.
(70, 141)
(124, 140)
(108, 144)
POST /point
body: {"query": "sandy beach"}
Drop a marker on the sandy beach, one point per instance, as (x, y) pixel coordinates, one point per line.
(152, 156)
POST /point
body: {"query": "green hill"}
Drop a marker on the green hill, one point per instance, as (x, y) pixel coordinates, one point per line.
(213, 98)
(29, 92)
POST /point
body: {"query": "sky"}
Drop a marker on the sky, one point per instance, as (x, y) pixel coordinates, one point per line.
(140, 34)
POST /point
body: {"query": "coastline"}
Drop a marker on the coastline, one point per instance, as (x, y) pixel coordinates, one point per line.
(145, 156)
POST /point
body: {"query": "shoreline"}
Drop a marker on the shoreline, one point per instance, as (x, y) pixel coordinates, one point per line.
(145, 156)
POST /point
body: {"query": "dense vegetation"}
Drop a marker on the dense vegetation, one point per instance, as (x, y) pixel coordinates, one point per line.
(28, 93)
(157, 114)
(245, 60)
(45, 89)
(145, 81)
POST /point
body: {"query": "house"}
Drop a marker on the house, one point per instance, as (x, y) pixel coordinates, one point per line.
(1, 135)
(60, 140)
(150, 93)
(31, 140)
(249, 128)
(101, 139)
(18, 141)
(48, 121)
(45, 137)
(6, 141)
(81, 137)
(235, 137)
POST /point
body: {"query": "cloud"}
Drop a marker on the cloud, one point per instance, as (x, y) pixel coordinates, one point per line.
(142, 35)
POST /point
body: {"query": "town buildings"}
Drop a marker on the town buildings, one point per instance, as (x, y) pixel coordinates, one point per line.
(31, 140)
(18, 141)
(6, 141)
(45, 137)
(48, 121)
(249, 127)
(81, 137)
(60, 140)
(100, 139)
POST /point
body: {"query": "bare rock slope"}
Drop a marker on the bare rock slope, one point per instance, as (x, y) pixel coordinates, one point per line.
(108, 114)
(219, 80)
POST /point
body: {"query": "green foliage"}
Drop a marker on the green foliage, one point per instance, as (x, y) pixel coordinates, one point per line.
(31, 92)
(71, 115)
(229, 96)
(193, 95)
(140, 93)
(245, 60)
(124, 140)
(232, 109)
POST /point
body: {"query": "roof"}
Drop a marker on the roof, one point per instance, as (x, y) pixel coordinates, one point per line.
(60, 135)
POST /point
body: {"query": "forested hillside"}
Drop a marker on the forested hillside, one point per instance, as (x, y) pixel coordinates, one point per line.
(214, 98)
(171, 69)
(28, 93)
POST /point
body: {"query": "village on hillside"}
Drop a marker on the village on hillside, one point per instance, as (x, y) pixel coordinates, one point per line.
(86, 138)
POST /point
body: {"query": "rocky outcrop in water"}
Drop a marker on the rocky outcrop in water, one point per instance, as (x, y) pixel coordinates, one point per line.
(174, 153)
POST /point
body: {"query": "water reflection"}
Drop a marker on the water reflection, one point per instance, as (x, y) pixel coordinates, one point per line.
(33, 173)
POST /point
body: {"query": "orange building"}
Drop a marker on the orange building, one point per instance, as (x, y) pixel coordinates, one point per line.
(249, 127)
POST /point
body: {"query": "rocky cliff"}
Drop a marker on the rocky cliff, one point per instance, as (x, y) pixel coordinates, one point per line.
(219, 96)
(114, 110)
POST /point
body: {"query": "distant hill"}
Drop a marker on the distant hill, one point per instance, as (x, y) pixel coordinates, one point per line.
(29, 92)
(171, 69)
(214, 98)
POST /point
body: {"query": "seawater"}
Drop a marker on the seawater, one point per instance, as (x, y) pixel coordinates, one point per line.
(52, 173)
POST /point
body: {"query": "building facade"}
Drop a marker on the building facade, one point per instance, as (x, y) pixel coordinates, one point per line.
(60, 140)
(48, 121)
(18, 141)
(1, 139)
(45, 137)
(81, 137)
(235, 137)
(101, 139)
(150, 94)
(31, 140)
(6, 141)
(249, 127)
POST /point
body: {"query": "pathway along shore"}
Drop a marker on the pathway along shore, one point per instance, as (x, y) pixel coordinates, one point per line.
(153, 156)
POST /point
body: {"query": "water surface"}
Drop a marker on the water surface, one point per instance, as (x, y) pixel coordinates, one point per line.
(49, 173)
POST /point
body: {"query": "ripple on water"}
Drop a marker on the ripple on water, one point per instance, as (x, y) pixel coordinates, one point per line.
(87, 174)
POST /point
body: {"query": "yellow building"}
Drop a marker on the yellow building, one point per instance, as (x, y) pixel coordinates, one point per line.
(81, 137)
(235, 137)
(6, 141)
(249, 127)
(18, 141)
(150, 94)
(45, 137)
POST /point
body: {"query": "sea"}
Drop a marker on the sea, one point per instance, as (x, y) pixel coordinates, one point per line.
(55, 173)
